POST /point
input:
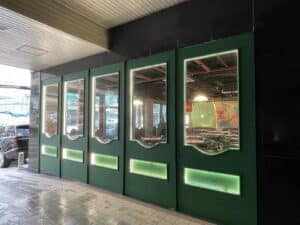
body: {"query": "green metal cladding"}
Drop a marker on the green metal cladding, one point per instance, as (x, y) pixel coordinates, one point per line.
(49, 158)
(220, 188)
(108, 171)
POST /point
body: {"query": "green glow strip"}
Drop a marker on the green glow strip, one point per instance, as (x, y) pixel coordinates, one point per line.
(49, 150)
(150, 169)
(213, 181)
(73, 155)
(106, 161)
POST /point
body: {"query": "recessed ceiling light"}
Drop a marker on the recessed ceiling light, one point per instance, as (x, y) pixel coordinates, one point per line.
(32, 50)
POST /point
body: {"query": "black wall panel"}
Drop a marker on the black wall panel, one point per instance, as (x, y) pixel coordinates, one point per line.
(277, 96)
(190, 23)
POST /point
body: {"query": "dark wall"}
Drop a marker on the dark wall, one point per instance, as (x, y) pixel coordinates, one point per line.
(278, 111)
(85, 63)
(187, 24)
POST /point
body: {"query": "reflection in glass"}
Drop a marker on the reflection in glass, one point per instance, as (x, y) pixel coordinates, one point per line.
(7, 131)
(211, 103)
(74, 108)
(50, 108)
(148, 105)
(105, 103)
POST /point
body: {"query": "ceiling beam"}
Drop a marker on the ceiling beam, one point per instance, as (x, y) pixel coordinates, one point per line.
(61, 18)
(212, 71)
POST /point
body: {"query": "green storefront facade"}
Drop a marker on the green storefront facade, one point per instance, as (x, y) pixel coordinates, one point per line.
(176, 129)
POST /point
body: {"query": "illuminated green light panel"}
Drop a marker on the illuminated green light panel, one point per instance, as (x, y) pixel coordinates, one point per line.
(49, 150)
(73, 155)
(212, 180)
(106, 161)
(149, 169)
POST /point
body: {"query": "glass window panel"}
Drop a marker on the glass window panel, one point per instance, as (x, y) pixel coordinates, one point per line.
(50, 108)
(105, 103)
(74, 108)
(148, 105)
(211, 102)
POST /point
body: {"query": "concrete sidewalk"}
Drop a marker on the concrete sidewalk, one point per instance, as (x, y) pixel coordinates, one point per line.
(27, 198)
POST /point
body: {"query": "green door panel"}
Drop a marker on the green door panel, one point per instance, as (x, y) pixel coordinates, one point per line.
(146, 156)
(221, 187)
(106, 167)
(49, 159)
(150, 172)
(74, 156)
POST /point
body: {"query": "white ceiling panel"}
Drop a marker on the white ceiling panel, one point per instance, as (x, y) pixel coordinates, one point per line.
(29, 44)
(110, 13)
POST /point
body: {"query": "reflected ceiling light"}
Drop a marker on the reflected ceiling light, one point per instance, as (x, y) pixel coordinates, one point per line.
(138, 102)
(200, 98)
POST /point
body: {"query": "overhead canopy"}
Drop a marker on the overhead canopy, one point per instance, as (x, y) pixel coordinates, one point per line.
(38, 34)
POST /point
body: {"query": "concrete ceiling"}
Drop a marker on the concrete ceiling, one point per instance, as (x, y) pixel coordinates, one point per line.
(39, 34)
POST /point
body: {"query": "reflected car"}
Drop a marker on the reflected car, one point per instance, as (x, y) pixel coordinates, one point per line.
(13, 139)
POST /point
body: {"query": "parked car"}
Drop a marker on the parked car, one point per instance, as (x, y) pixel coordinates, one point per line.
(13, 139)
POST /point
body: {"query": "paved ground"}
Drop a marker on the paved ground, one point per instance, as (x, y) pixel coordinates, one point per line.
(27, 198)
